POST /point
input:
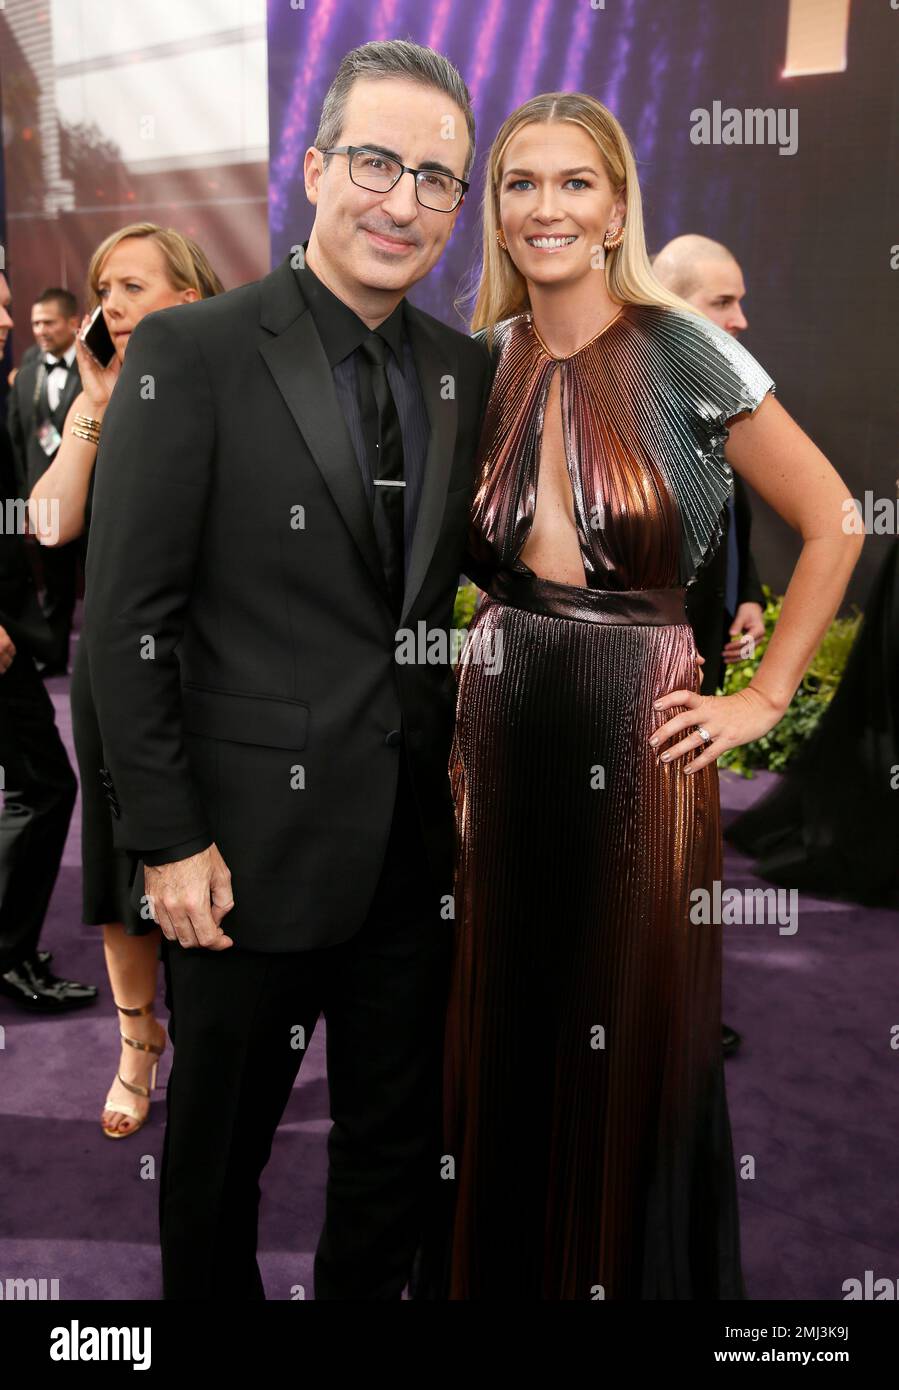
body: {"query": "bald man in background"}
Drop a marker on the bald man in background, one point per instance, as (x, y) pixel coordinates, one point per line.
(726, 604)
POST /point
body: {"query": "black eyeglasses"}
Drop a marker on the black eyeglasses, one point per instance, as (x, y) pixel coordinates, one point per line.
(378, 173)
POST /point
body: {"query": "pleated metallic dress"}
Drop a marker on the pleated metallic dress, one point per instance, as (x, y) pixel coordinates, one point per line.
(585, 1108)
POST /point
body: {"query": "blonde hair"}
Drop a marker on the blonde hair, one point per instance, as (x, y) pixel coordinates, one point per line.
(502, 290)
(186, 264)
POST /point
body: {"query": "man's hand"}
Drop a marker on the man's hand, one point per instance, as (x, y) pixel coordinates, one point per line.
(747, 628)
(190, 897)
(7, 650)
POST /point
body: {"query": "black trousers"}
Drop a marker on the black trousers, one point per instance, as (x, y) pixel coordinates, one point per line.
(55, 568)
(236, 1018)
(38, 797)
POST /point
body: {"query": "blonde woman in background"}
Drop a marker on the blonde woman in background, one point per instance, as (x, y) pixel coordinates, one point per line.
(133, 272)
(585, 1099)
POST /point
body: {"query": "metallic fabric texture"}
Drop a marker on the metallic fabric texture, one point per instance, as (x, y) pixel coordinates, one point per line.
(585, 1106)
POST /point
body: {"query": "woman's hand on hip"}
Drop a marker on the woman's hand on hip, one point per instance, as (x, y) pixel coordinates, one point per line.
(729, 720)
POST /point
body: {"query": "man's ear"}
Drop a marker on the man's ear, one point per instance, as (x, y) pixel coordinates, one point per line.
(313, 169)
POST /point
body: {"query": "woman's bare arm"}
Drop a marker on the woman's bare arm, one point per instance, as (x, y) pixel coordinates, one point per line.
(58, 498)
(57, 502)
(777, 458)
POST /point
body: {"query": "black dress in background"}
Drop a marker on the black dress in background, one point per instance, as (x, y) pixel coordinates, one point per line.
(39, 787)
(106, 872)
(831, 825)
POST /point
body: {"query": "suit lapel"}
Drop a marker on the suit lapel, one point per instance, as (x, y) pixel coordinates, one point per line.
(28, 387)
(71, 390)
(437, 368)
(297, 361)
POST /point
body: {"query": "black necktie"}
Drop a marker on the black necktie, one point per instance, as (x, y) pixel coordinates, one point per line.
(56, 362)
(381, 426)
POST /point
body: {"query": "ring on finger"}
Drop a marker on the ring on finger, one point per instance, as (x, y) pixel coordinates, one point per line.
(703, 733)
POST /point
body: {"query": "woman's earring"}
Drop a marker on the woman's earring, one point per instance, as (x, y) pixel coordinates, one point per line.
(501, 239)
(612, 243)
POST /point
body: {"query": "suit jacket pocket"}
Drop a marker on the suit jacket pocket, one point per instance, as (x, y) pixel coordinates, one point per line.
(236, 717)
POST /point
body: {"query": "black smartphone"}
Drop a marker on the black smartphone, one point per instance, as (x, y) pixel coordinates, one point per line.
(98, 339)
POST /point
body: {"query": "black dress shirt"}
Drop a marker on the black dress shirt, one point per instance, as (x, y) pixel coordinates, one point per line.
(342, 333)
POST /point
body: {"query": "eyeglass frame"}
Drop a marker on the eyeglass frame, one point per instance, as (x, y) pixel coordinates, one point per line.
(350, 150)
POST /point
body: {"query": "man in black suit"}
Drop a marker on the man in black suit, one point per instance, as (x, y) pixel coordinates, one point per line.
(725, 606)
(283, 485)
(44, 388)
(38, 784)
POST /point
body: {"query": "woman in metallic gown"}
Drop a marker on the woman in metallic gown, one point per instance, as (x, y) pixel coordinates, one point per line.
(585, 1101)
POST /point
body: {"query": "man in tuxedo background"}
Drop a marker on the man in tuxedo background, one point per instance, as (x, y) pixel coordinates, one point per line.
(726, 604)
(44, 387)
(38, 784)
(284, 481)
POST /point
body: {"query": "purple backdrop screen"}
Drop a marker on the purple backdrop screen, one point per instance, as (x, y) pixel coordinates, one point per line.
(812, 229)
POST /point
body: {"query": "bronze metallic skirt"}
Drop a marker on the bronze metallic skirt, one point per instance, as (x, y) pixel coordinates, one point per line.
(585, 1109)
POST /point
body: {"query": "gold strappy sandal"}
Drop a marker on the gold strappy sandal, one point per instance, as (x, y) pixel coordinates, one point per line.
(137, 1090)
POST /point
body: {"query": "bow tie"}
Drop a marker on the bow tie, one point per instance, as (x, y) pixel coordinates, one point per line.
(51, 363)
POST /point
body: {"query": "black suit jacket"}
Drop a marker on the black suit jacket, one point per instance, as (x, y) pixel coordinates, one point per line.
(240, 639)
(705, 598)
(31, 460)
(20, 611)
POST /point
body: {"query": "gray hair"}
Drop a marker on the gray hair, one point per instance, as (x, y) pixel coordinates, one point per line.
(392, 58)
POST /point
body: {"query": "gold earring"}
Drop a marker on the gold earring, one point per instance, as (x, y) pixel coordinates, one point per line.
(612, 243)
(501, 239)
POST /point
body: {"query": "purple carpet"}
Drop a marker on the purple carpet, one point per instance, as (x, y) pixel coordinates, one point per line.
(813, 1096)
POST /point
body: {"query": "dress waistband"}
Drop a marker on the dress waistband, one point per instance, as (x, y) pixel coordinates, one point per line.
(642, 607)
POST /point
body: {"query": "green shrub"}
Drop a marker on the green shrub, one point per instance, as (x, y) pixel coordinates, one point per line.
(777, 749)
(466, 600)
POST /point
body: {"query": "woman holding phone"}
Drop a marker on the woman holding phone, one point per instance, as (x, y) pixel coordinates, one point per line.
(135, 271)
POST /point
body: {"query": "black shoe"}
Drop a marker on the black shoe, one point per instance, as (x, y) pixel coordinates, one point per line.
(31, 984)
(730, 1040)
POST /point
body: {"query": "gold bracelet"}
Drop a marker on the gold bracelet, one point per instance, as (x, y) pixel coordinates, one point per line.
(86, 428)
